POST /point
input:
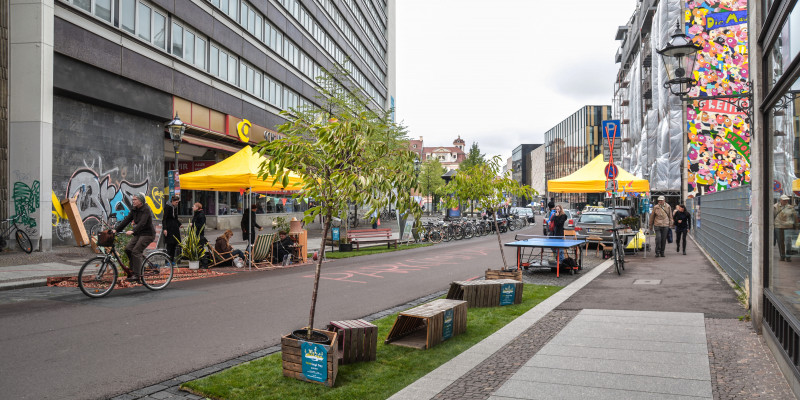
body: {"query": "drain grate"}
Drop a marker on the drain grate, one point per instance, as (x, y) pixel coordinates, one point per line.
(647, 282)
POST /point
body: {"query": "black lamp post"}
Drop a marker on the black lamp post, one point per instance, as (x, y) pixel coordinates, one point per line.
(176, 128)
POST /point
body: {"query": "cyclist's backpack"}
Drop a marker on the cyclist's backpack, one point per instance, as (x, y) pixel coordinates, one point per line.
(569, 263)
(105, 238)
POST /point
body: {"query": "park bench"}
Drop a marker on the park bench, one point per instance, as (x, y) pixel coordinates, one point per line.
(427, 325)
(488, 293)
(358, 340)
(359, 236)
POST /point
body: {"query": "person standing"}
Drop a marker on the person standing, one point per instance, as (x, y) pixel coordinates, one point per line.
(249, 224)
(785, 218)
(552, 207)
(558, 218)
(683, 223)
(142, 231)
(172, 226)
(199, 222)
(661, 219)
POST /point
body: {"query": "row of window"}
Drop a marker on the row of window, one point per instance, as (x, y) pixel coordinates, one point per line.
(340, 21)
(377, 16)
(362, 20)
(149, 24)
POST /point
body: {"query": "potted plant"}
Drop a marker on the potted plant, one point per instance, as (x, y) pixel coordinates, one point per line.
(357, 156)
(191, 248)
(280, 224)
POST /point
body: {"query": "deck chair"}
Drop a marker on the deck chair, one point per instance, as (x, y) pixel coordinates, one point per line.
(217, 258)
(262, 250)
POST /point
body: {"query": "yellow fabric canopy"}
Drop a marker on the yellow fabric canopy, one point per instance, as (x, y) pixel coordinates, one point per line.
(239, 171)
(592, 179)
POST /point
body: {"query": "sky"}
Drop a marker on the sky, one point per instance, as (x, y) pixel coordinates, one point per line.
(502, 72)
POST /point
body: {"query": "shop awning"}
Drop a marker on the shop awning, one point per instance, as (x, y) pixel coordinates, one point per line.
(591, 179)
(239, 171)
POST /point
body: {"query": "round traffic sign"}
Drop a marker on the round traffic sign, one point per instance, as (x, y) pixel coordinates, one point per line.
(611, 171)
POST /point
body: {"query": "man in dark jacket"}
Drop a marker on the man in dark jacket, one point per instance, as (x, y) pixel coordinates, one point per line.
(142, 231)
(683, 223)
(248, 230)
(283, 247)
(172, 226)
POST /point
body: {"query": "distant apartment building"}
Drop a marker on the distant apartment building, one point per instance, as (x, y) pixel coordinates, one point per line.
(520, 164)
(536, 161)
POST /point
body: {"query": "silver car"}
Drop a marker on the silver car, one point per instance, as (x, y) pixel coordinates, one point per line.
(594, 224)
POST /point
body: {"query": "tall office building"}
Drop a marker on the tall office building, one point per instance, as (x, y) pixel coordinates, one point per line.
(92, 83)
(572, 144)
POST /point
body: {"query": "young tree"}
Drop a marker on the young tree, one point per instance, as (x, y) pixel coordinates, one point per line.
(474, 157)
(356, 157)
(430, 178)
(485, 184)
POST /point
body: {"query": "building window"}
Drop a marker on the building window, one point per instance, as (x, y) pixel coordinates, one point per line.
(222, 65)
(143, 21)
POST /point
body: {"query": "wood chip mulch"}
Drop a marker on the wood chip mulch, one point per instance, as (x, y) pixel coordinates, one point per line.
(180, 274)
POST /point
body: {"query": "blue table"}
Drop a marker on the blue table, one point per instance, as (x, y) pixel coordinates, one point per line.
(556, 243)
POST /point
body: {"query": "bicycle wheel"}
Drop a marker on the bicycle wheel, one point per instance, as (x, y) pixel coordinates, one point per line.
(24, 241)
(621, 256)
(157, 271)
(97, 277)
(435, 237)
(469, 232)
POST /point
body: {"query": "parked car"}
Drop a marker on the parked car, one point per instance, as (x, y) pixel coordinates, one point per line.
(569, 224)
(622, 211)
(594, 223)
(524, 212)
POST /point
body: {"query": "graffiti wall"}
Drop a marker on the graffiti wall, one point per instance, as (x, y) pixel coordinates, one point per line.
(718, 137)
(104, 158)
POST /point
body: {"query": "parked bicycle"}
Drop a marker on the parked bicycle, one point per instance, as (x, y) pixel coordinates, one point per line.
(618, 250)
(9, 226)
(99, 274)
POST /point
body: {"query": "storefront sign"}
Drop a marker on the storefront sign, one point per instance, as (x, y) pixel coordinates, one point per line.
(508, 291)
(447, 327)
(723, 19)
(174, 183)
(315, 361)
(243, 129)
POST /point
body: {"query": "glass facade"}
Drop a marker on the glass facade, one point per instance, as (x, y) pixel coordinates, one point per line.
(572, 144)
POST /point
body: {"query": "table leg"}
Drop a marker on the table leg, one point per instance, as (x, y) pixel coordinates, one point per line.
(519, 254)
(558, 264)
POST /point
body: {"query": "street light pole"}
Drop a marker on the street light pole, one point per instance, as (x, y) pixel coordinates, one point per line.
(176, 128)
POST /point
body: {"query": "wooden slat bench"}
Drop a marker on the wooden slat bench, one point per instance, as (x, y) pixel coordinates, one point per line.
(358, 236)
(358, 340)
(483, 293)
(423, 327)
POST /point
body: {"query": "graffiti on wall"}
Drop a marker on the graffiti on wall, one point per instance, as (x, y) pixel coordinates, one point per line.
(718, 137)
(26, 201)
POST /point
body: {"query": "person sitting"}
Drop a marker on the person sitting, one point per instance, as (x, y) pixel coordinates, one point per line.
(282, 247)
(223, 246)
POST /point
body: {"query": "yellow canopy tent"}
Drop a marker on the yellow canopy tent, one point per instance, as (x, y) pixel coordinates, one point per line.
(239, 171)
(592, 179)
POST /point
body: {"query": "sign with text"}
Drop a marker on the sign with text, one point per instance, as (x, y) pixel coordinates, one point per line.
(611, 185)
(508, 291)
(607, 152)
(611, 128)
(335, 234)
(315, 361)
(447, 327)
(407, 228)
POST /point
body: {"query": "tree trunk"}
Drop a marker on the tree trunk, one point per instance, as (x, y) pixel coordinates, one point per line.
(325, 230)
(499, 242)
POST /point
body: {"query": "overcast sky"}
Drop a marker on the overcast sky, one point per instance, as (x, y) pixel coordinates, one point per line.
(502, 72)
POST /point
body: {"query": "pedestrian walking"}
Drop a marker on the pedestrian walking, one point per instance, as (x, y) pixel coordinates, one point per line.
(661, 220)
(785, 219)
(683, 223)
(249, 224)
(172, 226)
(199, 222)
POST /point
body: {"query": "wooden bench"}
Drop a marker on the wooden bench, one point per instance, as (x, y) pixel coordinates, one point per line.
(358, 236)
(358, 340)
(486, 293)
(427, 325)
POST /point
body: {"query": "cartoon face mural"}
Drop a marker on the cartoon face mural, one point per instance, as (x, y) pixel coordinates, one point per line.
(718, 150)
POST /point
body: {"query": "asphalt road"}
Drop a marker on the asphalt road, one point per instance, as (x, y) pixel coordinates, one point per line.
(58, 344)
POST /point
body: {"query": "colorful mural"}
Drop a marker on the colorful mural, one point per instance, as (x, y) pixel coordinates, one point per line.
(718, 138)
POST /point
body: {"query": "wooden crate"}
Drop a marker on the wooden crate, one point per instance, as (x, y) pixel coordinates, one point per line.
(358, 340)
(492, 274)
(421, 327)
(292, 359)
(483, 293)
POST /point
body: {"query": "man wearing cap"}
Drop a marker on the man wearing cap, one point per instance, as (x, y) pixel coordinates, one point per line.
(785, 218)
(142, 231)
(661, 219)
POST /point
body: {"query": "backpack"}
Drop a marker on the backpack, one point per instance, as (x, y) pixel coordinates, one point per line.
(569, 263)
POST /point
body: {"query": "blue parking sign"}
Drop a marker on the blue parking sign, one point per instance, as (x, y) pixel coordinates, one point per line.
(611, 128)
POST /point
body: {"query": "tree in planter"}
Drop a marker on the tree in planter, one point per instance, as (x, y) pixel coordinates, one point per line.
(430, 178)
(485, 184)
(356, 157)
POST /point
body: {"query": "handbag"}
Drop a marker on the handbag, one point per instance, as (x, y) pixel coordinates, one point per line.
(669, 235)
(552, 225)
(238, 262)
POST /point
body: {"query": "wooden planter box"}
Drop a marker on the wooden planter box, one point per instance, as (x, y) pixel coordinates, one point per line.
(500, 274)
(292, 358)
(358, 340)
(425, 326)
(485, 293)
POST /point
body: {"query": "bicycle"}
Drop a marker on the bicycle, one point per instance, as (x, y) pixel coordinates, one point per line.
(618, 251)
(23, 240)
(99, 274)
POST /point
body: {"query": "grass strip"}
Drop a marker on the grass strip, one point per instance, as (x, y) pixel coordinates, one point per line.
(396, 367)
(335, 255)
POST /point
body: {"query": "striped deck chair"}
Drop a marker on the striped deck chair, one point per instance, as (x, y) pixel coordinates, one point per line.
(262, 250)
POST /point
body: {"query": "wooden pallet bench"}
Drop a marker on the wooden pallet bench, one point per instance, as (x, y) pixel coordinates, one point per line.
(358, 236)
(358, 340)
(486, 293)
(425, 326)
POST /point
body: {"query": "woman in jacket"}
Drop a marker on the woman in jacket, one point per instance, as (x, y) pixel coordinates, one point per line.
(683, 224)
(199, 222)
(558, 219)
(223, 245)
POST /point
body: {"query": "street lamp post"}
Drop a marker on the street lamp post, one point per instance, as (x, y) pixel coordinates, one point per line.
(176, 128)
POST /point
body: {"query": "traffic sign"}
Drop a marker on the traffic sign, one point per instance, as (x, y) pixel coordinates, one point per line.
(607, 152)
(611, 185)
(611, 128)
(611, 171)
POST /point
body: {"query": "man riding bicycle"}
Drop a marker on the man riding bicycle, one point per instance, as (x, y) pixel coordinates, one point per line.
(143, 233)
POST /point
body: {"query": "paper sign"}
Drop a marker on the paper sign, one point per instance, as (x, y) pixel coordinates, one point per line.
(315, 361)
(508, 291)
(447, 327)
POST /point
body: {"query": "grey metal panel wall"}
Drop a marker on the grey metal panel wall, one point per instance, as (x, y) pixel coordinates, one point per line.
(4, 192)
(724, 229)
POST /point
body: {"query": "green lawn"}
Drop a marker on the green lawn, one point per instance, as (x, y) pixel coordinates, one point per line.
(335, 255)
(396, 367)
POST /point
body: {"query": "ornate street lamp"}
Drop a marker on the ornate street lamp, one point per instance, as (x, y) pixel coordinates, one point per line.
(679, 57)
(176, 128)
